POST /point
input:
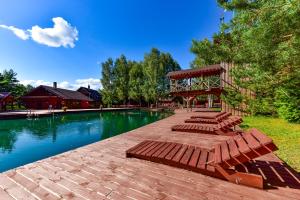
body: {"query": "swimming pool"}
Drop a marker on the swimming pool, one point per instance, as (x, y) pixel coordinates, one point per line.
(24, 141)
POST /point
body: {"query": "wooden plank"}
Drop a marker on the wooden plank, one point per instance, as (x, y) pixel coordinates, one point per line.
(242, 145)
(151, 148)
(218, 154)
(180, 153)
(139, 146)
(195, 157)
(173, 152)
(5, 195)
(31, 186)
(210, 161)
(167, 150)
(251, 141)
(145, 147)
(136, 147)
(262, 138)
(186, 157)
(14, 190)
(150, 153)
(159, 151)
(225, 151)
(233, 149)
(202, 160)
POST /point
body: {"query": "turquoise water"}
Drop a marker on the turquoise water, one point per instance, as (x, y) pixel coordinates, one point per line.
(24, 141)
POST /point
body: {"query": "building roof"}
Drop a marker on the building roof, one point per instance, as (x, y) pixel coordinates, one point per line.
(93, 94)
(209, 70)
(4, 95)
(64, 93)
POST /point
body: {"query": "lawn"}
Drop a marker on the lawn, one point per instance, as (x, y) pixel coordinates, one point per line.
(285, 135)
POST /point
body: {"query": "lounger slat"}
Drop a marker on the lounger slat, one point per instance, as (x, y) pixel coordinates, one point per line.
(187, 155)
(225, 151)
(180, 153)
(167, 150)
(263, 139)
(218, 154)
(145, 147)
(203, 158)
(139, 146)
(150, 148)
(150, 153)
(172, 153)
(195, 157)
(242, 145)
(233, 149)
(210, 162)
(161, 149)
(252, 142)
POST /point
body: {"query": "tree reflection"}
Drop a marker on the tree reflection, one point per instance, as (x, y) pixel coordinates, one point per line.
(108, 124)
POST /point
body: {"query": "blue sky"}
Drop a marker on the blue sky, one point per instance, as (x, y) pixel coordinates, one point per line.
(106, 28)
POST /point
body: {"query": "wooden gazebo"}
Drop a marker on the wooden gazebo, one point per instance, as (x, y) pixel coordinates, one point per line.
(194, 82)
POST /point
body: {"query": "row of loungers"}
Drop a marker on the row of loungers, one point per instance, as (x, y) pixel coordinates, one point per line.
(209, 119)
(221, 161)
(226, 127)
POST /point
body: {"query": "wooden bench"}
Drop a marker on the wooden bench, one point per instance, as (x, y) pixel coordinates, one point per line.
(225, 127)
(216, 120)
(218, 162)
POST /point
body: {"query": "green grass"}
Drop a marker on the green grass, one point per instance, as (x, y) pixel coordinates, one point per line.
(285, 135)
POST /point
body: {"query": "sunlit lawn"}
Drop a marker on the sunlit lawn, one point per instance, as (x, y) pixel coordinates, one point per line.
(285, 135)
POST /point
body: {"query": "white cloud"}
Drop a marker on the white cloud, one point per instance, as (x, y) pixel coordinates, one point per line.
(61, 34)
(36, 82)
(66, 85)
(22, 34)
(94, 83)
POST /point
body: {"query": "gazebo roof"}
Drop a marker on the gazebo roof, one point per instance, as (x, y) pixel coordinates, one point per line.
(209, 70)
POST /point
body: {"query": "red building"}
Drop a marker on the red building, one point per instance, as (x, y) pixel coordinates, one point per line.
(44, 97)
(5, 99)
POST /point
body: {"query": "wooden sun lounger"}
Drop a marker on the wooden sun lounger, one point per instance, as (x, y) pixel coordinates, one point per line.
(196, 119)
(223, 128)
(203, 116)
(218, 162)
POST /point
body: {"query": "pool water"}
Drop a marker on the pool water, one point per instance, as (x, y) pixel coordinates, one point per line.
(24, 141)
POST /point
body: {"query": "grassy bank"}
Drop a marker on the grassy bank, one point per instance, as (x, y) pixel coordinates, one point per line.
(284, 134)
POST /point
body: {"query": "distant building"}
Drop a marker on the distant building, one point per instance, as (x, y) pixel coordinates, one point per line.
(44, 97)
(5, 99)
(93, 94)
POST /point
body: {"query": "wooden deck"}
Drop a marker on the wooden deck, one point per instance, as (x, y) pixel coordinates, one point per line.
(20, 114)
(101, 171)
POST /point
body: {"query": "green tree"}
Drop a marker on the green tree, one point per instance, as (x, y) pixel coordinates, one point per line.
(263, 40)
(150, 69)
(10, 83)
(8, 80)
(136, 80)
(121, 82)
(167, 65)
(156, 65)
(107, 81)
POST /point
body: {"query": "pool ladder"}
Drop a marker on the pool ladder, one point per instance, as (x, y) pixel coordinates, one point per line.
(31, 114)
